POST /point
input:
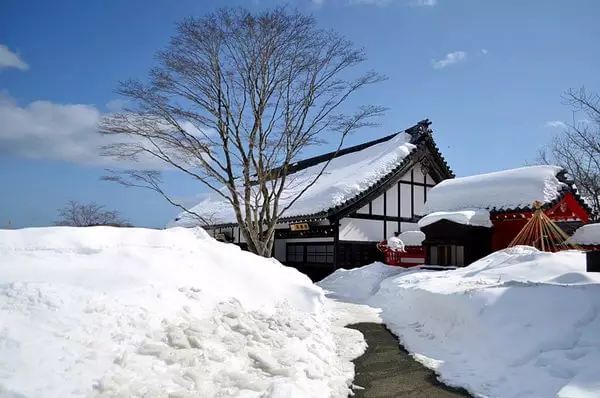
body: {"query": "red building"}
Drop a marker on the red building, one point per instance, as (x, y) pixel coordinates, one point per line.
(470, 217)
(569, 211)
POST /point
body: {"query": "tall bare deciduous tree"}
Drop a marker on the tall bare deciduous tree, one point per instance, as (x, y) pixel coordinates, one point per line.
(577, 147)
(75, 214)
(234, 101)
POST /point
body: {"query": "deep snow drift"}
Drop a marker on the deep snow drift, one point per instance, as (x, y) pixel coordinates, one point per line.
(135, 312)
(518, 323)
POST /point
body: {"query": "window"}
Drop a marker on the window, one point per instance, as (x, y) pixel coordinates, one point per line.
(447, 255)
(319, 254)
(295, 253)
(313, 253)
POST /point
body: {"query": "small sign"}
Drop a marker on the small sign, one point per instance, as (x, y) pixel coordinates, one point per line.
(300, 227)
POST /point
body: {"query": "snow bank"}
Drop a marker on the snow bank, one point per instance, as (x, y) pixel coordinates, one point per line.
(476, 218)
(587, 235)
(507, 189)
(135, 312)
(516, 323)
(345, 177)
(358, 284)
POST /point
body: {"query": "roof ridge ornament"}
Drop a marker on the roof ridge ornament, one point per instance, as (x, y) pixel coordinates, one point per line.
(419, 129)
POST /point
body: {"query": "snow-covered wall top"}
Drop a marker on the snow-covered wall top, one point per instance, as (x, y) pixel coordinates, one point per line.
(345, 177)
(412, 238)
(501, 190)
(587, 235)
(475, 218)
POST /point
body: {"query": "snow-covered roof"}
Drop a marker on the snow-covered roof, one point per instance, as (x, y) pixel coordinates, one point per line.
(588, 234)
(498, 191)
(350, 173)
(473, 217)
(345, 177)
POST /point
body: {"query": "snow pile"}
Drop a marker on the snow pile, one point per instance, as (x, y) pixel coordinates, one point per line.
(135, 312)
(475, 218)
(516, 323)
(345, 177)
(507, 189)
(358, 284)
(395, 243)
(587, 235)
(412, 238)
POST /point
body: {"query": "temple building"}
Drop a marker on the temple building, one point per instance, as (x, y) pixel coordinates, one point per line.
(467, 218)
(368, 193)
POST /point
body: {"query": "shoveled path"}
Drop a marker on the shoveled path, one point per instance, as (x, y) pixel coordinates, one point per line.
(387, 370)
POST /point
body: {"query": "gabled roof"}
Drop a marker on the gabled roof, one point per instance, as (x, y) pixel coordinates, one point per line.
(352, 175)
(503, 191)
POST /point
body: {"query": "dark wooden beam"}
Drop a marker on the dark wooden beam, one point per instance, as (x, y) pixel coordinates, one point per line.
(412, 192)
(382, 218)
(385, 214)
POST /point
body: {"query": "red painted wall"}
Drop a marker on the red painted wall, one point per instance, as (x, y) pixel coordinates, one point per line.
(508, 225)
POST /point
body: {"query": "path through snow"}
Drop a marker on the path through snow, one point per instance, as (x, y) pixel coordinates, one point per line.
(384, 369)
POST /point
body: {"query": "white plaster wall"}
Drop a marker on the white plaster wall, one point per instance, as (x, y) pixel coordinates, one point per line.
(406, 176)
(378, 205)
(392, 201)
(361, 230)
(418, 174)
(364, 209)
(405, 201)
(392, 226)
(419, 200)
(409, 226)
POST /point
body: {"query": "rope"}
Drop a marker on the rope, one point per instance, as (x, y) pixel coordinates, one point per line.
(542, 233)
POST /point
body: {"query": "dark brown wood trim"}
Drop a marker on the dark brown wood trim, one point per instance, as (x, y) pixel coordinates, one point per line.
(385, 214)
(376, 217)
(418, 184)
(336, 240)
(399, 206)
(412, 192)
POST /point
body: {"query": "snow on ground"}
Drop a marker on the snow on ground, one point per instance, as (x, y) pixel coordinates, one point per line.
(507, 189)
(358, 284)
(475, 217)
(518, 323)
(129, 312)
(345, 177)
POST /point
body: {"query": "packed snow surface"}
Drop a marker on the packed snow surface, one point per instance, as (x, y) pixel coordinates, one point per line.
(518, 323)
(588, 234)
(129, 312)
(475, 218)
(507, 189)
(345, 177)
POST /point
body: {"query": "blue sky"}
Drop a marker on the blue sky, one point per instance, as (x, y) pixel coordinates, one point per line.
(489, 74)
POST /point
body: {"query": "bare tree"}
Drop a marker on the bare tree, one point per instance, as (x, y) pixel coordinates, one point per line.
(577, 147)
(75, 214)
(234, 101)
